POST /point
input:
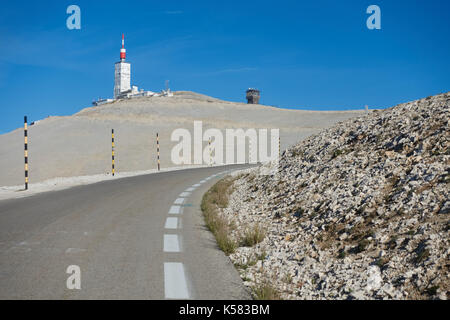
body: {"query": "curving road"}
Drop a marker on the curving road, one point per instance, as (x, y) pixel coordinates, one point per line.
(133, 238)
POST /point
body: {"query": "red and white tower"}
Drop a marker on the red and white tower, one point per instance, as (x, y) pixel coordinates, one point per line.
(123, 51)
(122, 74)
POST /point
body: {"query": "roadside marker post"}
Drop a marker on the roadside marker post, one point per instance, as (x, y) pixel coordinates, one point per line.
(157, 151)
(25, 136)
(279, 148)
(249, 156)
(279, 154)
(210, 152)
(112, 151)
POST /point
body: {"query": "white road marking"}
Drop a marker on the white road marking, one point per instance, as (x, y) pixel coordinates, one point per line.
(179, 201)
(18, 249)
(32, 243)
(175, 286)
(171, 243)
(171, 223)
(75, 250)
(175, 210)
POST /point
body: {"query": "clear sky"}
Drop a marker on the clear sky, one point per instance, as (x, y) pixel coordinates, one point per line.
(313, 54)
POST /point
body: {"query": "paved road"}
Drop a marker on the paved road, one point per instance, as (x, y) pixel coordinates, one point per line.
(133, 238)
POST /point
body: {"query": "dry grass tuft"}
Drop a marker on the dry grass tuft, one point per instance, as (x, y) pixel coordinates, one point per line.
(253, 236)
(215, 198)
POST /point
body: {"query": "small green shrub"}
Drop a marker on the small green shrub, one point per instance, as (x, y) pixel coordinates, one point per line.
(342, 254)
(432, 290)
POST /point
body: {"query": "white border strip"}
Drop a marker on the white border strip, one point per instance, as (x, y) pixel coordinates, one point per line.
(179, 201)
(175, 286)
(171, 243)
(175, 210)
(171, 223)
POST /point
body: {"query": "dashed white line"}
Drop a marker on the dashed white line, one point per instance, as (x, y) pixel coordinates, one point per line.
(171, 223)
(175, 210)
(171, 243)
(75, 250)
(179, 201)
(175, 286)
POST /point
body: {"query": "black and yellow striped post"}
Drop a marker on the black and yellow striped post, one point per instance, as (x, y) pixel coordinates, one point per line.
(279, 154)
(279, 148)
(210, 152)
(157, 151)
(112, 151)
(25, 136)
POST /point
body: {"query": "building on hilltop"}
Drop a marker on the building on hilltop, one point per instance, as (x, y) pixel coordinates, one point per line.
(122, 74)
(252, 96)
(122, 78)
(122, 82)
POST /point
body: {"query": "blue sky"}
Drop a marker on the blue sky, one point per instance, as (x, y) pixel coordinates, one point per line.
(315, 55)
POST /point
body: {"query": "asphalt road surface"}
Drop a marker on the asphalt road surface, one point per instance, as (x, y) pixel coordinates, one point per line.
(141, 237)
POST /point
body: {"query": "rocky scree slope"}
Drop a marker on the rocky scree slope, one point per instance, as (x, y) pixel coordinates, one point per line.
(359, 211)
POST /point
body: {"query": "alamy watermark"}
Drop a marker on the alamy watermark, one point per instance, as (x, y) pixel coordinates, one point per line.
(237, 146)
(74, 280)
(74, 20)
(374, 20)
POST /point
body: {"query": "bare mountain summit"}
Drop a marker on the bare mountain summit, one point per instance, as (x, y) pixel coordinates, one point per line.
(80, 144)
